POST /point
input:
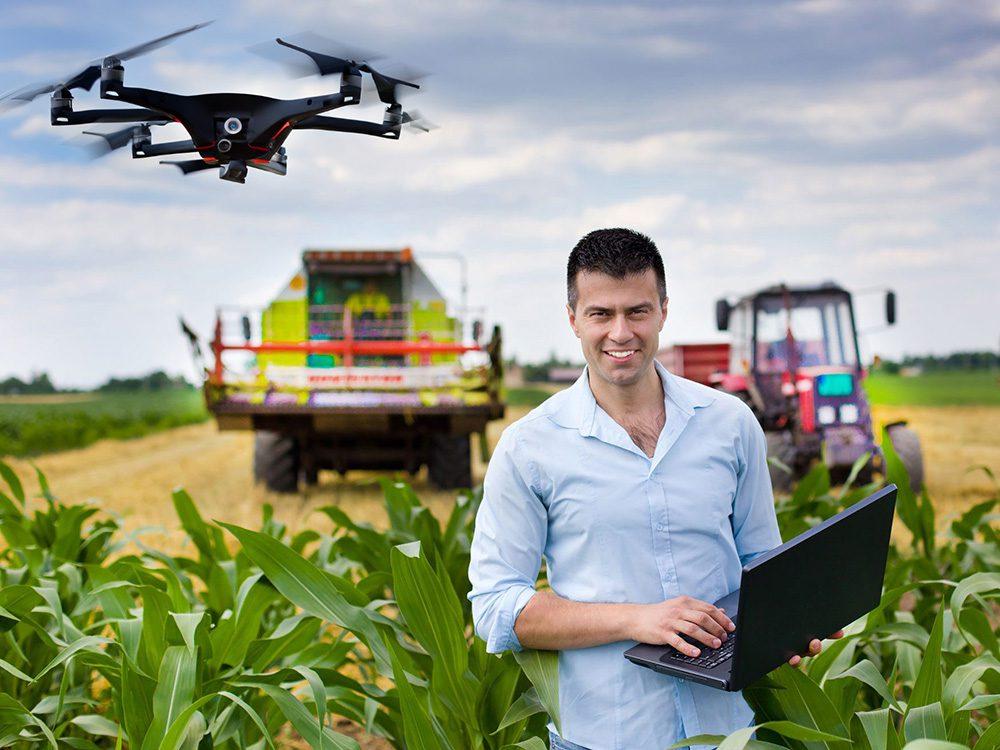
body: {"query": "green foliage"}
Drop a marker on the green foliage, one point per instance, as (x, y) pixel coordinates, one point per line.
(29, 429)
(956, 388)
(222, 648)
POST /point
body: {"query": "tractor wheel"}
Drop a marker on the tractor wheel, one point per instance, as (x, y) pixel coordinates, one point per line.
(906, 443)
(781, 447)
(276, 461)
(449, 465)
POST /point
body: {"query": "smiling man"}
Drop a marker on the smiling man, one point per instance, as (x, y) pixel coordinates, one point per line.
(645, 493)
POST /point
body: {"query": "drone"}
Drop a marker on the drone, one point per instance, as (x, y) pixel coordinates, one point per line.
(230, 132)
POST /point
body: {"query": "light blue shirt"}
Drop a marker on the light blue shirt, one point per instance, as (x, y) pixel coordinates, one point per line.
(566, 482)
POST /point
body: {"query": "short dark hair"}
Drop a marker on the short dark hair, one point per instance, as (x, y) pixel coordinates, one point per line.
(617, 253)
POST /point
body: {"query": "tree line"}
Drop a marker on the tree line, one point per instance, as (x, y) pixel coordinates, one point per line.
(40, 383)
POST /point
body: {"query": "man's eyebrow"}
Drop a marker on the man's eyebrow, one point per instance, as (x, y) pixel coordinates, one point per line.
(640, 308)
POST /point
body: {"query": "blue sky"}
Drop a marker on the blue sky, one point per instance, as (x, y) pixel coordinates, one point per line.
(755, 142)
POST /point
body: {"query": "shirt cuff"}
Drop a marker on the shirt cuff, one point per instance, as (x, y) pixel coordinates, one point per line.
(502, 636)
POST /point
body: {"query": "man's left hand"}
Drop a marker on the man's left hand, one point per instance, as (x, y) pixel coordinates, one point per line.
(815, 646)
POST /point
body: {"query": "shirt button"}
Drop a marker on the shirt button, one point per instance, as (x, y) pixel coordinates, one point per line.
(660, 527)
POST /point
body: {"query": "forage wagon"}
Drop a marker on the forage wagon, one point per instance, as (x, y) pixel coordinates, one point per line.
(356, 364)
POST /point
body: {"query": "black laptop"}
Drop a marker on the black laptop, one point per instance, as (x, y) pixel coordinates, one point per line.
(809, 587)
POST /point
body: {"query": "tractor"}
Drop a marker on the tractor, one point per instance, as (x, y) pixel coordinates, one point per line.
(793, 357)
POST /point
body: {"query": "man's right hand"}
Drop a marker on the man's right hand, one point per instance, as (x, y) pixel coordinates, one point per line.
(664, 623)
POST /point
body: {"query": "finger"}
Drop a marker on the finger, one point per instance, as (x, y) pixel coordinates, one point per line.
(838, 634)
(681, 645)
(692, 630)
(706, 622)
(715, 613)
(815, 646)
(794, 661)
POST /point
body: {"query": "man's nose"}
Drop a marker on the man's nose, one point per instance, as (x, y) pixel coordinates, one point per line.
(620, 330)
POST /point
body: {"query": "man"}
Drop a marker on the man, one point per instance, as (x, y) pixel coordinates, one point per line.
(646, 493)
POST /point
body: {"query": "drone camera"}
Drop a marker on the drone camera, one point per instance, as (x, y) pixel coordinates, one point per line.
(225, 146)
(233, 125)
(234, 171)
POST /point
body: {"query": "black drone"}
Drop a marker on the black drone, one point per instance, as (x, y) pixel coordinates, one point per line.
(229, 131)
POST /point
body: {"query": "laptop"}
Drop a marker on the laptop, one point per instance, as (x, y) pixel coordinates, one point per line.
(809, 587)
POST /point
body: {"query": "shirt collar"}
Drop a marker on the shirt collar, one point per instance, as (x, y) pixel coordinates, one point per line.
(579, 409)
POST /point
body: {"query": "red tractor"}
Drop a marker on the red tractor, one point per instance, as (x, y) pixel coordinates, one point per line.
(793, 358)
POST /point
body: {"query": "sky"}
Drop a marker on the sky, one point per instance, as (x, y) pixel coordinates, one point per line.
(755, 142)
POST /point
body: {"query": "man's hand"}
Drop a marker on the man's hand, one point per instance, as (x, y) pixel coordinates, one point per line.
(815, 646)
(664, 623)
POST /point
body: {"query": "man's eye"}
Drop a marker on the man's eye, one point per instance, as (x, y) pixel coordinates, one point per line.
(598, 314)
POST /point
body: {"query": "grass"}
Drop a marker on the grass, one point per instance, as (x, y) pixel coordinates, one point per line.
(967, 388)
(526, 396)
(31, 426)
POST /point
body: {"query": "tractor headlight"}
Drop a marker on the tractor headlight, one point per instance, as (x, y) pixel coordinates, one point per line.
(848, 413)
(826, 415)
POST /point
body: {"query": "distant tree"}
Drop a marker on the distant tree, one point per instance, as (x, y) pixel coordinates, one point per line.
(154, 381)
(39, 384)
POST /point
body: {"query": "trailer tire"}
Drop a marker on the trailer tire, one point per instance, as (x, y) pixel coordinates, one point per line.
(781, 447)
(276, 461)
(906, 443)
(449, 464)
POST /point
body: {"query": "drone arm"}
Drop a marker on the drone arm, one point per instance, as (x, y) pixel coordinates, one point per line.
(142, 151)
(105, 115)
(343, 125)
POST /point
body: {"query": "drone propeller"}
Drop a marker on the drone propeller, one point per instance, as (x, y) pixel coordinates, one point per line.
(84, 79)
(416, 121)
(117, 139)
(386, 85)
(190, 166)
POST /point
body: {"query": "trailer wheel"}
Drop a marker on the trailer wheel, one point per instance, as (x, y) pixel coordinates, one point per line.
(276, 461)
(906, 443)
(781, 447)
(449, 465)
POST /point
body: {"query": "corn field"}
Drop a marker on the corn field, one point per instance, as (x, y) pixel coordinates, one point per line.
(260, 630)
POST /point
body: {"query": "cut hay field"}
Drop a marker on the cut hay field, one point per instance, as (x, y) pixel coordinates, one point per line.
(134, 477)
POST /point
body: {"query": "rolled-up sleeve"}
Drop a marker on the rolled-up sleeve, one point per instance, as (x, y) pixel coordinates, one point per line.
(755, 524)
(507, 546)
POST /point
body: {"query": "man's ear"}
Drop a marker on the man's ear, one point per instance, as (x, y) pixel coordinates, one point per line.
(572, 319)
(663, 311)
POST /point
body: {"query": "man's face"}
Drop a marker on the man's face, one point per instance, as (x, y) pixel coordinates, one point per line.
(618, 322)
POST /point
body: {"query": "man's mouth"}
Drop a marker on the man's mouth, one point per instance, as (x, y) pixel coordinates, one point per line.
(621, 355)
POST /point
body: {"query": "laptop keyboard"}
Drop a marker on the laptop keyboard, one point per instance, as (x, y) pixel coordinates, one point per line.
(709, 657)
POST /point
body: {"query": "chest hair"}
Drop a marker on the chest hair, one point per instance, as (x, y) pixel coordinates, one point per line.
(644, 429)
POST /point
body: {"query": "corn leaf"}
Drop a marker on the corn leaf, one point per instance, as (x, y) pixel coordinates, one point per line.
(866, 672)
(434, 617)
(927, 687)
(542, 668)
(174, 691)
(925, 722)
(928, 744)
(977, 583)
(308, 587)
(12, 480)
(960, 682)
(305, 723)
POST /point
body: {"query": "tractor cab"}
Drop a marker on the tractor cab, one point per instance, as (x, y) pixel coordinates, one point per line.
(794, 358)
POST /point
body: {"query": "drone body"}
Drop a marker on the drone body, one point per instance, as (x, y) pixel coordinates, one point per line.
(229, 131)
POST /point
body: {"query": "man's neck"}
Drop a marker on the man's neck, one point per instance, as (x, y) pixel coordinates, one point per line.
(642, 397)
